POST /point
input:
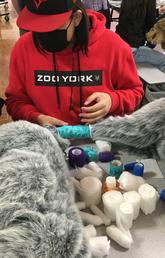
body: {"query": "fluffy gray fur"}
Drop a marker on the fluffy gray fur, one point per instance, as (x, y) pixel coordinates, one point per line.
(144, 129)
(38, 217)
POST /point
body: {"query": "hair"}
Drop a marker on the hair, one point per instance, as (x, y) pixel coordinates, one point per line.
(81, 36)
(134, 8)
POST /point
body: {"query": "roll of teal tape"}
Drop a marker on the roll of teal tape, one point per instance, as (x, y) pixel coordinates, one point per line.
(116, 168)
(91, 153)
(74, 132)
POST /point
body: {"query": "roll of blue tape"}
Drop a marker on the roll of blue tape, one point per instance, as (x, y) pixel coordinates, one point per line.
(129, 166)
(116, 168)
(162, 195)
(138, 169)
(77, 157)
(74, 132)
(106, 156)
(91, 153)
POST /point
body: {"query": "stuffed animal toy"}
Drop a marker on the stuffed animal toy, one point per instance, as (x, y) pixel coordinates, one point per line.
(156, 35)
(143, 130)
(38, 215)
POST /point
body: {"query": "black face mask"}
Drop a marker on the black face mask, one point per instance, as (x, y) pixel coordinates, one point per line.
(54, 41)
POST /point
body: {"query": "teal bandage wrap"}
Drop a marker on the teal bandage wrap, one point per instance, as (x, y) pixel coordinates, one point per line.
(91, 153)
(74, 132)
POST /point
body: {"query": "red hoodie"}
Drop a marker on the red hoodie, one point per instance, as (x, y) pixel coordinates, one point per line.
(109, 67)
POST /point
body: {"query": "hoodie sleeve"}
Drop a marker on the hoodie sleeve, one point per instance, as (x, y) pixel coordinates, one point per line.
(19, 104)
(128, 91)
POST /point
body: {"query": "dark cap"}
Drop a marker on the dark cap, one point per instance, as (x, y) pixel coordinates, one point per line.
(45, 15)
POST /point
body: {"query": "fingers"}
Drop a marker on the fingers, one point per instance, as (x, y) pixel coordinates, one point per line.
(44, 120)
(91, 118)
(93, 108)
(57, 122)
(91, 98)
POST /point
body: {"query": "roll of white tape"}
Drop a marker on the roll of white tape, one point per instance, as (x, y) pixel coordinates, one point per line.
(112, 201)
(124, 216)
(110, 182)
(103, 146)
(133, 198)
(149, 197)
(90, 190)
(129, 182)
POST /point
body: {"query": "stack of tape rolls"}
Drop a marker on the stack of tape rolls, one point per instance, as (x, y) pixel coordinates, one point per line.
(77, 157)
(104, 150)
(116, 168)
(133, 198)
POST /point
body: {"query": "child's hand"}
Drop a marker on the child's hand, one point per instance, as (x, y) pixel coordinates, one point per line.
(92, 114)
(49, 120)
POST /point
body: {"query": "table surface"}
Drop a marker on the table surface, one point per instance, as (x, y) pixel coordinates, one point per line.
(148, 231)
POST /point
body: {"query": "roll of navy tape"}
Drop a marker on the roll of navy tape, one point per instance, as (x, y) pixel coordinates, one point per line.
(91, 153)
(116, 168)
(129, 166)
(106, 156)
(138, 169)
(162, 195)
(77, 157)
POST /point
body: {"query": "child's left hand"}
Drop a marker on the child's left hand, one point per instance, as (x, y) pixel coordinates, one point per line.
(92, 114)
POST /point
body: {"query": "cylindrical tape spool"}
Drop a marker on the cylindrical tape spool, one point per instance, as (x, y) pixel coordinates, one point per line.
(138, 169)
(110, 182)
(76, 157)
(133, 198)
(112, 201)
(149, 197)
(74, 132)
(129, 166)
(116, 168)
(91, 153)
(124, 216)
(162, 195)
(90, 190)
(106, 156)
(129, 182)
(103, 146)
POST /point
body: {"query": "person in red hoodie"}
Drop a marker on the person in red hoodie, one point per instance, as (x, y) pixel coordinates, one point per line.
(69, 69)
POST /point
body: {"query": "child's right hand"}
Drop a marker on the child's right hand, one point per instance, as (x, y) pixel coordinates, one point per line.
(49, 120)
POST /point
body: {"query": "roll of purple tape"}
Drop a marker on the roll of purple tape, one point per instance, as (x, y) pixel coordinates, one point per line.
(106, 156)
(77, 157)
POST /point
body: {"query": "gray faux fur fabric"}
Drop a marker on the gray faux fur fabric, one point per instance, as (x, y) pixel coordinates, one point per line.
(143, 129)
(38, 217)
